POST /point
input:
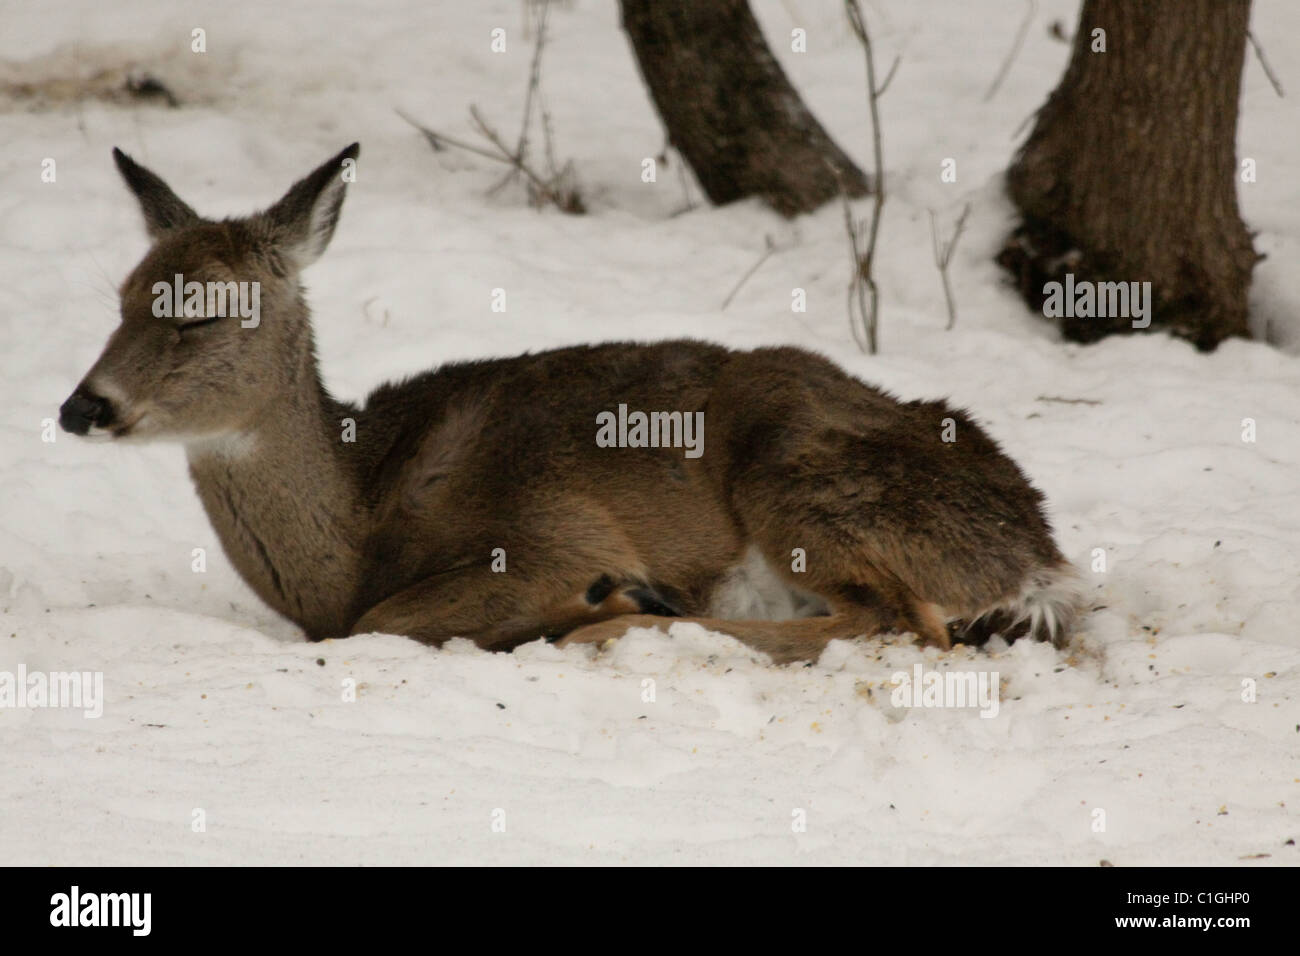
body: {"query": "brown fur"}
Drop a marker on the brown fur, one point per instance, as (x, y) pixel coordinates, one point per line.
(395, 532)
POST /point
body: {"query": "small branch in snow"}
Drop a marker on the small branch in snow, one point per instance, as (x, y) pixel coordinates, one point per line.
(515, 159)
(662, 159)
(859, 284)
(557, 185)
(943, 256)
(440, 141)
(683, 179)
(1268, 71)
(1067, 401)
(1015, 50)
(862, 291)
(767, 252)
(542, 10)
(534, 74)
(889, 76)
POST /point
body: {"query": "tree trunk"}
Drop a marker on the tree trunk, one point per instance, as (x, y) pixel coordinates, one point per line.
(729, 109)
(1130, 171)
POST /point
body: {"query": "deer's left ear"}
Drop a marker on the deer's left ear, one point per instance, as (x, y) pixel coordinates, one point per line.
(162, 208)
(303, 222)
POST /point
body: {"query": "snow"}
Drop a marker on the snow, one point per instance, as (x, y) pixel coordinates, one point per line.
(215, 704)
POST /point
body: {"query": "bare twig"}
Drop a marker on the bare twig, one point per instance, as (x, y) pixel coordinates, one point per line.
(943, 256)
(1015, 134)
(1067, 401)
(553, 189)
(556, 185)
(862, 286)
(770, 247)
(493, 137)
(548, 139)
(1268, 71)
(1015, 50)
(534, 76)
(440, 141)
(684, 180)
(893, 68)
(857, 290)
(682, 176)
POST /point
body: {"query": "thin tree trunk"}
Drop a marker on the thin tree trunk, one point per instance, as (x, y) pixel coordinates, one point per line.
(1130, 171)
(729, 109)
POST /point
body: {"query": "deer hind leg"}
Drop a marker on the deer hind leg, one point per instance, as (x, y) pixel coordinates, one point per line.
(605, 599)
(880, 494)
(479, 606)
(856, 610)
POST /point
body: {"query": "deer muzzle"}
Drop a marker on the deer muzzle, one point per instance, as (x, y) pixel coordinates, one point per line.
(82, 410)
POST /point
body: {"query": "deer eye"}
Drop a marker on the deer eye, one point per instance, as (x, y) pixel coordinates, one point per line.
(199, 323)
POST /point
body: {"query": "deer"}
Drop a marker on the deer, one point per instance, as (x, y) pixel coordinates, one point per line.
(475, 501)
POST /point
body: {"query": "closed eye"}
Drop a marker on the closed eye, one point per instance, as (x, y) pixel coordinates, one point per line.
(199, 323)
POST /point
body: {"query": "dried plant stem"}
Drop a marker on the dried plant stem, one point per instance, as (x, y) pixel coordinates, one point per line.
(770, 247)
(863, 291)
(943, 256)
(1015, 51)
(1268, 70)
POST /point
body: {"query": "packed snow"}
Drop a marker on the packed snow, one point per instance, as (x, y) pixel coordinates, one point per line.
(1168, 732)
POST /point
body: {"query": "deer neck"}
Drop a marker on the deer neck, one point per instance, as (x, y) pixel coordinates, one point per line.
(285, 503)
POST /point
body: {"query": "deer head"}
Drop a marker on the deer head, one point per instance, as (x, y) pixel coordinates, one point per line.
(214, 327)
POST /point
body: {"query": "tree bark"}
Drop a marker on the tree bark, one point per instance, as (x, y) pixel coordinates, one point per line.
(1130, 171)
(729, 109)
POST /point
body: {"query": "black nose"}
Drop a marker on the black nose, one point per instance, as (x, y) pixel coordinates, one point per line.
(83, 410)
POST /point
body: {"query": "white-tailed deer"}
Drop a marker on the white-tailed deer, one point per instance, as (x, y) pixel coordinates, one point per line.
(512, 499)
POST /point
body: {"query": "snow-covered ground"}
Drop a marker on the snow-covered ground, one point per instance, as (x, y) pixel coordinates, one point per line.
(213, 703)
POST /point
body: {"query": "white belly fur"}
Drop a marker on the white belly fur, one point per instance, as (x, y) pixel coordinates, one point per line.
(753, 591)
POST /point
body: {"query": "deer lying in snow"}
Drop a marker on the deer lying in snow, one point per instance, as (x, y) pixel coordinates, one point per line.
(831, 496)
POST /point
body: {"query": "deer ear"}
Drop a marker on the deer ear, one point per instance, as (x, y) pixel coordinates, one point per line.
(162, 208)
(303, 221)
